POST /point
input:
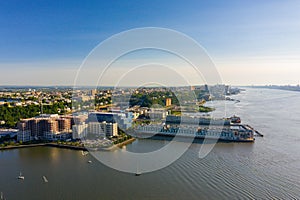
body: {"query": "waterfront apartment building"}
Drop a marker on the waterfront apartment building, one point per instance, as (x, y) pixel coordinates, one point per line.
(45, 126)
(24, 136)
(64, 124)
(124, 120)
(103, 128)
(111, 129)
(79, 131)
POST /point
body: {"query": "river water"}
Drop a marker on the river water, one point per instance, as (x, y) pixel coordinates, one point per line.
(266, 169)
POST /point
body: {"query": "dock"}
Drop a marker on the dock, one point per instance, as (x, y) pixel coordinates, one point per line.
(257, 133)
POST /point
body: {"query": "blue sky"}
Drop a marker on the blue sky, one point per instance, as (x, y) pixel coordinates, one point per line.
(260, 38)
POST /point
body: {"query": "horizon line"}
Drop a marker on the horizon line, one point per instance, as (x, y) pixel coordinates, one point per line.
(109, 86)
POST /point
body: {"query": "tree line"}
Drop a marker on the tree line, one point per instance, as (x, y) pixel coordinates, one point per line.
(12, 114)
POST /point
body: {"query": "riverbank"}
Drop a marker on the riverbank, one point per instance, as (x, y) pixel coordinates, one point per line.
(125, 142)
(119, 145)
(22, 146)
(43, 144)
(65, 146)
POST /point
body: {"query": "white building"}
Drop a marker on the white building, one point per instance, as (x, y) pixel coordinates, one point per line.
(94, 128)
(110, 129)
(103, 128)
(79, 131)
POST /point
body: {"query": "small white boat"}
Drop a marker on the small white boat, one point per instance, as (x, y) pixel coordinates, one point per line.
(138, 172)
(21, 176)
(1, 196)
(89, 161)
(45, 179)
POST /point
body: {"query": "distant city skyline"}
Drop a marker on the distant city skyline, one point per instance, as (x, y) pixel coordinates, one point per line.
(250, 42)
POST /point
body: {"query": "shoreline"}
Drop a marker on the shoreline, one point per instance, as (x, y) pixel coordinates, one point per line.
(119, 145)
(41, 145)
(125, 142)
(22, 146)
(64, 146)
